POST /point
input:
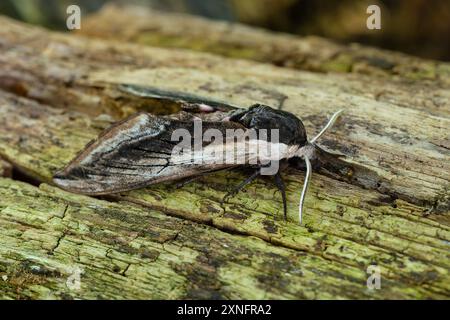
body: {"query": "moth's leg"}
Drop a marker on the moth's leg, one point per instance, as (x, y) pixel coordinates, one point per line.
(280, 185)
(241, 185)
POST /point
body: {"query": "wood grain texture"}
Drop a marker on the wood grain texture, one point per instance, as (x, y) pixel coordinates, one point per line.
(124, 251)
(59, 91)
(5, 169)
(156, 28)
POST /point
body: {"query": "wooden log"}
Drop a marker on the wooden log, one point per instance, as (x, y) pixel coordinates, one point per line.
(156, 28)
(56, 85)
(123, 251)
(5, 169)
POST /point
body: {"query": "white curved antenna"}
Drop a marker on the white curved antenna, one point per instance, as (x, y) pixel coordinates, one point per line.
(308, 163)
(305, 188)
(327, 126)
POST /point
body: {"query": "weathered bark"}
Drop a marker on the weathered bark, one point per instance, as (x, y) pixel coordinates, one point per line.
(151, 27)
(5, 169)
(123, 251)
(395, 129)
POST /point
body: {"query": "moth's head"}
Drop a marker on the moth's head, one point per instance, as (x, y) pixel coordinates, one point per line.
(308, 149)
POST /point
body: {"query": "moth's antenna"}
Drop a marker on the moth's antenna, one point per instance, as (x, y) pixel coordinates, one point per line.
(308, 163)
(305, 188)
(327, 126)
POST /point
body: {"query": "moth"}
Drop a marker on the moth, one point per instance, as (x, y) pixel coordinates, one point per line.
(139, 151)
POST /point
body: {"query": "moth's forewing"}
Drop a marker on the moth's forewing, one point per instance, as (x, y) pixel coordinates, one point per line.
(135, 153)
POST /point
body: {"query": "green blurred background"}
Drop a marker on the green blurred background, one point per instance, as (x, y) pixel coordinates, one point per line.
(418, 27)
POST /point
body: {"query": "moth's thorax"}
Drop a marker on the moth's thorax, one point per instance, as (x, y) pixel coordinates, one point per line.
(290, 128)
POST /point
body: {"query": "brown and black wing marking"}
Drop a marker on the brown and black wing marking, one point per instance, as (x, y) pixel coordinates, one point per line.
(135, 153)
